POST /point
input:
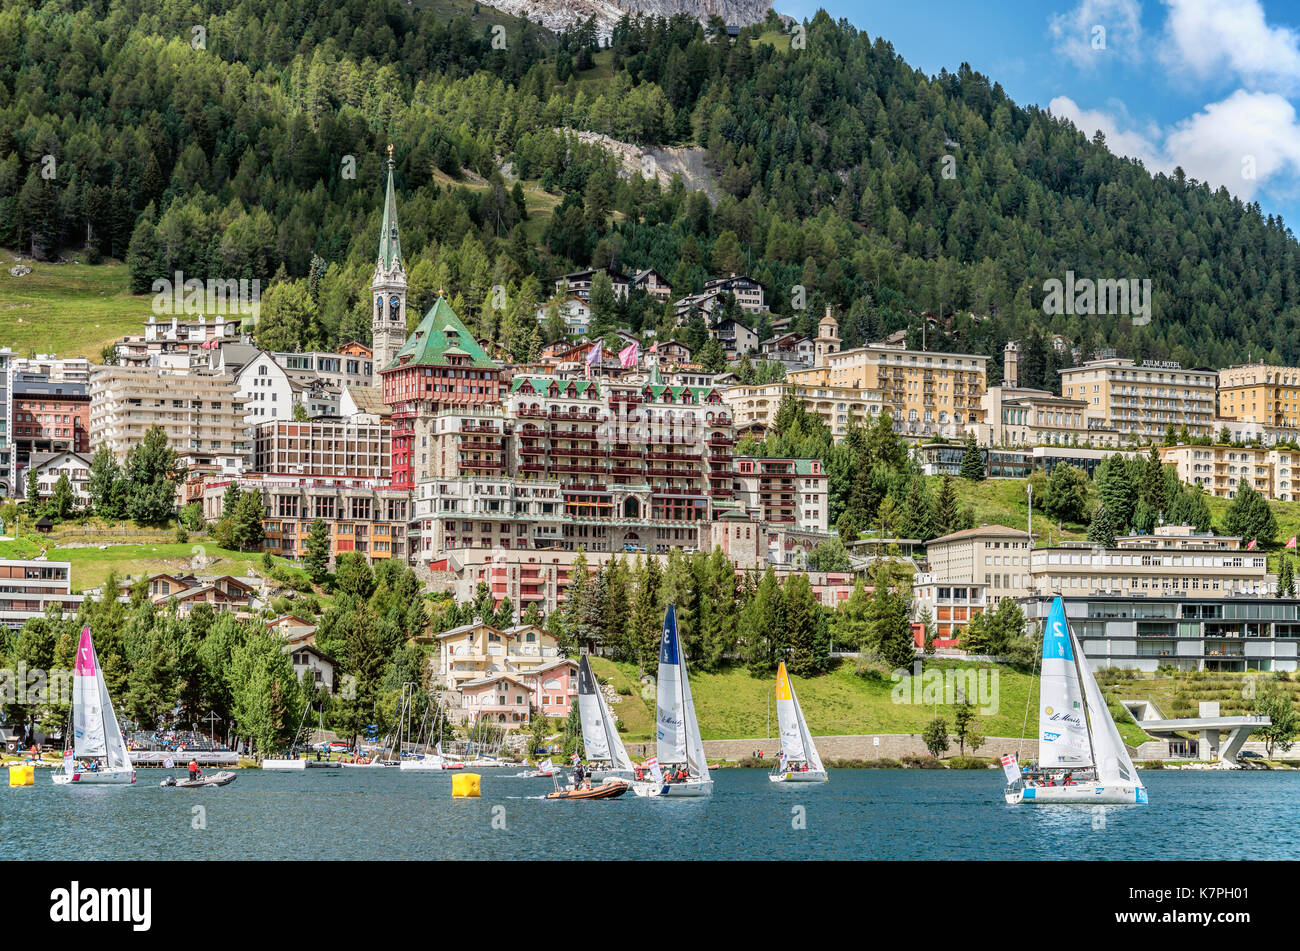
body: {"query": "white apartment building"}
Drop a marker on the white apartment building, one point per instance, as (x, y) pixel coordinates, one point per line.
(992, 556)
(1175, 562)
(200, 412)
(1221, 470)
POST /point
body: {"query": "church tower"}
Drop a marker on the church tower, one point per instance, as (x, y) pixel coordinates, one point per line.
(388, 287)
(827, 340)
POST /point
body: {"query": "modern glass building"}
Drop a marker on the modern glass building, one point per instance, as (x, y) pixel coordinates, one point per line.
(1225, 634)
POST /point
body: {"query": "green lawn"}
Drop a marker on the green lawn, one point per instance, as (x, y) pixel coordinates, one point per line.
(1005, 502)
(69, 309)
(91, 565)
(732, 704)
(777, 39)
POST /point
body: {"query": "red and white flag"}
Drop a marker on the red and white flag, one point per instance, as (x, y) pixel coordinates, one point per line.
(1252, 545)
(1011, 767)
(1291, 543)
(574, 757)
(628, 356)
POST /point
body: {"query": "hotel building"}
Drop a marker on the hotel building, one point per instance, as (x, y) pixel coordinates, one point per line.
(1142, 402)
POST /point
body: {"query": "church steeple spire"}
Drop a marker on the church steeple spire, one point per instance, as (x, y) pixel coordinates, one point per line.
(388, 286)
(390, 246)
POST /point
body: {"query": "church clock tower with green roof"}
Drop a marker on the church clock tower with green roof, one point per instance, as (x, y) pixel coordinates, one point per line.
(388, 287)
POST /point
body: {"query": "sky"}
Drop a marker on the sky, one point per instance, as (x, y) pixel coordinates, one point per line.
(1212, 86)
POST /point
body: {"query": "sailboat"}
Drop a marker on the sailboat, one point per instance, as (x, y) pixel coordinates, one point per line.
(423, 762)
(677, 731)
(1081, 757)
(599, 735)
(799, 761)
(98, 754)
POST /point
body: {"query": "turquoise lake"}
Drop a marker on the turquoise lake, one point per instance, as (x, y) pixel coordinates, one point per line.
(859, 814)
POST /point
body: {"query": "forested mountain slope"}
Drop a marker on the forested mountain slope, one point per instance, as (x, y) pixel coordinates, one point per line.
(261, 153)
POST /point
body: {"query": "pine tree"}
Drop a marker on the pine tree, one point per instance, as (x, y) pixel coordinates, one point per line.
(1286, 578)
(318, 552)
(947, 516)
(1249, 517)
(972, 461)
(1101, 531)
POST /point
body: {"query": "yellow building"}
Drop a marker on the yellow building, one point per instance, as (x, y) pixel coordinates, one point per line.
(1260, 393)
(927, 393)
(1142, 402)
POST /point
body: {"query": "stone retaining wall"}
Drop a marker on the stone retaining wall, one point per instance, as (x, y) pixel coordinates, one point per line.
(866, 746)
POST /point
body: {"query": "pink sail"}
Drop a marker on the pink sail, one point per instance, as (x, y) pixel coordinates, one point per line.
(85, 665)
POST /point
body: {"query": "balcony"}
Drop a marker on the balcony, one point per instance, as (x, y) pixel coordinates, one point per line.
(479, 428)
(562, 434)
(532, 450)
(561, 451)
(675, 490)
(529, 412)
(595, 488)
(532, 467)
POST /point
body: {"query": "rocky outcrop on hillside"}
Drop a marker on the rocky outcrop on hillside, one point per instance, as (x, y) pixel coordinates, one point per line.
(558, 14)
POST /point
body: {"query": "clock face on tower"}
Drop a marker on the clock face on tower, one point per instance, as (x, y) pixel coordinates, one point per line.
(379, 303)
(396, 304)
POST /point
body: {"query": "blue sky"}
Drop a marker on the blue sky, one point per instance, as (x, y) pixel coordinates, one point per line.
(1211, 85)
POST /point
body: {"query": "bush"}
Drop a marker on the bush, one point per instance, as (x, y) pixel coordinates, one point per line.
(970, 762)
(921, 762)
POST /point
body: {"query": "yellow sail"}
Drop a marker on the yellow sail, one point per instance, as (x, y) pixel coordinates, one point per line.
(782, 683)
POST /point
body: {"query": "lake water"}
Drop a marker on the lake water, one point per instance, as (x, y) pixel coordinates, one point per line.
(860, 814)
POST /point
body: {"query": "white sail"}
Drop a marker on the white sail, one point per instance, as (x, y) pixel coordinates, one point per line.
(810, 748)
(594, 738)
(87, 702)
(1062, 728)
(670, 725)
(95, 729)
(787, 718)
(1113, 762)
(699, 766)
(618, 757)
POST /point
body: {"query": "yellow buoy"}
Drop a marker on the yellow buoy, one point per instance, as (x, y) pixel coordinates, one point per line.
(465, 786)
(22, 774)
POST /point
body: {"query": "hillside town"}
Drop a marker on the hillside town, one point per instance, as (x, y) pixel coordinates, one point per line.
(426, 448)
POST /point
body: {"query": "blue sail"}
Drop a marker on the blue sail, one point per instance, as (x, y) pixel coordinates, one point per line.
(1056, 635)
(670, 725)
(1062, 729)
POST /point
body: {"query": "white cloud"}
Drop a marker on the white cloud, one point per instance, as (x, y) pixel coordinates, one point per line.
(1210, 37)
(1095, 28)
(1121, 137)
(1241, 142)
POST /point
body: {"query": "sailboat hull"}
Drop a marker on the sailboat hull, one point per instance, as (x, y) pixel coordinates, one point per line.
(102, 777)
(799, 776)
(692, 788)
(427, 765)
(1077, 794)
(600, 774)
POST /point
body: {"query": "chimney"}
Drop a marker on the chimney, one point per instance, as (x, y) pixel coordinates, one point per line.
(1011, 365)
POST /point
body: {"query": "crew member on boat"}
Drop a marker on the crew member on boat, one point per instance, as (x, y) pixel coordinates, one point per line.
(194, 769)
